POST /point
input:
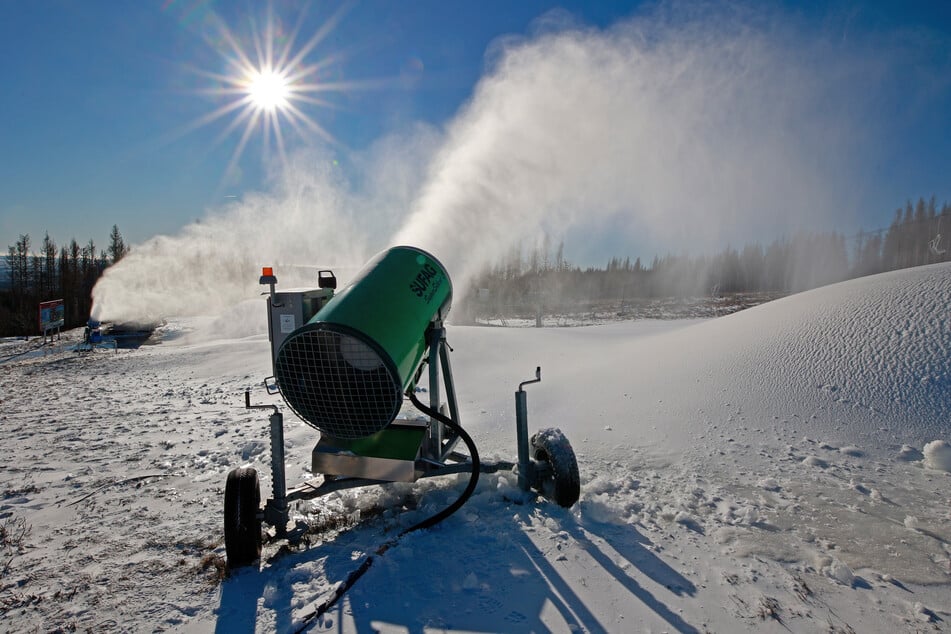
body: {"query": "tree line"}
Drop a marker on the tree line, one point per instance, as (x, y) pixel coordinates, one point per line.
(540, 276)
(68, 273)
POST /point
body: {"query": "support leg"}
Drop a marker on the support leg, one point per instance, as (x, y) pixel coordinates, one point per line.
(275, 511)
(521, 439)
(526, 468)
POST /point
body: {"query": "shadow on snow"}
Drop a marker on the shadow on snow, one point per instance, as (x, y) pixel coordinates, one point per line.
(501, 571)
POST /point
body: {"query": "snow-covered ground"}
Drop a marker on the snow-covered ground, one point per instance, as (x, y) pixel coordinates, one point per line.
(780, 469)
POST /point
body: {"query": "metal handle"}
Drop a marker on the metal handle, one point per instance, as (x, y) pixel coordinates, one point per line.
(537, 379)
(248, 405)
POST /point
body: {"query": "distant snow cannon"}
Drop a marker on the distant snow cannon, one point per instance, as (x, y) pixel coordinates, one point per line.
(345, 371)
(344, 363)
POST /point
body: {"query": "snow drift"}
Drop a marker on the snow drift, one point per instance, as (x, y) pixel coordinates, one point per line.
(866, 361)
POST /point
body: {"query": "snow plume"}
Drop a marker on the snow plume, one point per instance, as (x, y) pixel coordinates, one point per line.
(215, 263)
(311, 218)
(682, 129)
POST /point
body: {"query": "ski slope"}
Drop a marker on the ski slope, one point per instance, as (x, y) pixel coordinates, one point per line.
(785, 468)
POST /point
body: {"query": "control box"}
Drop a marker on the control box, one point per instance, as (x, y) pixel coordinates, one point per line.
(289, 310)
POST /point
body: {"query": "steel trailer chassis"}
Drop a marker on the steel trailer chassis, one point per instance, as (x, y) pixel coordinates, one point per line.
(546, 463)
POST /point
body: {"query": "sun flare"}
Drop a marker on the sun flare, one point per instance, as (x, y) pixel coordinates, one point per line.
(269, 85)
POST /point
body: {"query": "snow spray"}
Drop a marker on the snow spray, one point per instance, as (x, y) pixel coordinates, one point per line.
(681, 128)
(312, 217)
(678, 130)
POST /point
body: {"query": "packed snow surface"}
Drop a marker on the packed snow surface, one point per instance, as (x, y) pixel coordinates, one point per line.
(785, 468)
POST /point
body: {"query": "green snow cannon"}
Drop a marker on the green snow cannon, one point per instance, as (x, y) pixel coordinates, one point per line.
(344, 372)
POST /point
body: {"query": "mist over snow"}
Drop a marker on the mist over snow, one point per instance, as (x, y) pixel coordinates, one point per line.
(682, 129)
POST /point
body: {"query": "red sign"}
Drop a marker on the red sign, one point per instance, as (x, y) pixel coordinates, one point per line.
(52, 315)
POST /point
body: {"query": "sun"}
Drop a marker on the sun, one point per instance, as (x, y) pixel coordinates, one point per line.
(268, 90)
(269, 86)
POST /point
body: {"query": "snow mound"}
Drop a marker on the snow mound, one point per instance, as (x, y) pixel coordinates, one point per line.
(938, 455)
(867, 356)
(862, 365)
(907, 453)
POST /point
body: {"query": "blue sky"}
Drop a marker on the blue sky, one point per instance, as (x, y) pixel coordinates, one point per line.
(98, 97)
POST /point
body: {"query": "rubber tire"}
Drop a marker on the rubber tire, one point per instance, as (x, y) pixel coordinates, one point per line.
(563, 486)
(242, 523)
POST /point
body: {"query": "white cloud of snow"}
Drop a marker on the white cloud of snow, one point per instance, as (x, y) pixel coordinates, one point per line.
(683, 128)
(687, 126)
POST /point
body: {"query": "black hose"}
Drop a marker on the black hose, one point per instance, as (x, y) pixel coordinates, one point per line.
(426, 523)
(473, 456)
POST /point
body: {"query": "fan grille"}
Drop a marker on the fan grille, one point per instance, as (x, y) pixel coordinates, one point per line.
(337, 383)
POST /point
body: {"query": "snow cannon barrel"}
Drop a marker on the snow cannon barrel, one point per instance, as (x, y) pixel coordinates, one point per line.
(345, 371)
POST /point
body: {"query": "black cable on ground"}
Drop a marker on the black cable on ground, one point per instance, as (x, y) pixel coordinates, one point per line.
(116, 483)
(429, 522)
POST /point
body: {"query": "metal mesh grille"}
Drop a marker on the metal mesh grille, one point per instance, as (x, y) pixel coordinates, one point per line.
(337, 383)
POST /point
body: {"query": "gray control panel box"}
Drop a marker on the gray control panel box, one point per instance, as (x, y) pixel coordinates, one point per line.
(289, 310)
